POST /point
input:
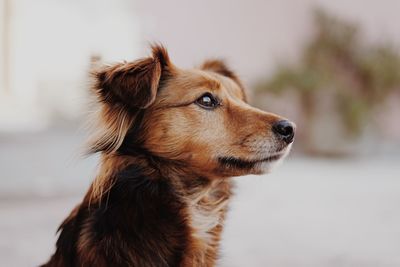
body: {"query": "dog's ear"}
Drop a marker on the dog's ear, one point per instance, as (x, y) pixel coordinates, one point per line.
(133, 84)
(220, 67)
(124, 90)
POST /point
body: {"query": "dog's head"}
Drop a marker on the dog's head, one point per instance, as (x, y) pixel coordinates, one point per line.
(199, 116)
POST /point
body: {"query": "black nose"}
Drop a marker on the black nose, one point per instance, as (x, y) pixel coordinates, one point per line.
(284, 130)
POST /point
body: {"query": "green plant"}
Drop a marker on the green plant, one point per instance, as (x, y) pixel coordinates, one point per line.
(359, 76)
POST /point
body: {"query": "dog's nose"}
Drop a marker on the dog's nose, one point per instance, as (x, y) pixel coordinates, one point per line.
(284, 130)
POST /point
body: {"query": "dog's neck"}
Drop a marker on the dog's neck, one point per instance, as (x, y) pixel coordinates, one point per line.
(184, 179)
(205, 199)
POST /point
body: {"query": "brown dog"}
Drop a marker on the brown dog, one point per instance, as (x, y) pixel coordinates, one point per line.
(169, 139)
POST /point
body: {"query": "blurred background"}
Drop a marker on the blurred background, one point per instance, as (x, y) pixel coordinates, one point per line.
(333, 67)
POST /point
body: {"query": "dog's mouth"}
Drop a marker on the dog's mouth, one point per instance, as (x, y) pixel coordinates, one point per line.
(233, 162)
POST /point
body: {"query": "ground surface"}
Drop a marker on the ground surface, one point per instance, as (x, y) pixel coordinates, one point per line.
(309, 212)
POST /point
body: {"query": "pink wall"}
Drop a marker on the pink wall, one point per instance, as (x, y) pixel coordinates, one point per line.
(253, 35)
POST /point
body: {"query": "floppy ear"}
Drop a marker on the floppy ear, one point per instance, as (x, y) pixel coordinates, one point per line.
(133, 84)
(124, 90)
(220, 67)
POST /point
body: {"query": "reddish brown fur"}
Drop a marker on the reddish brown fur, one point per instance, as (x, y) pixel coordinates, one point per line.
(161, 193)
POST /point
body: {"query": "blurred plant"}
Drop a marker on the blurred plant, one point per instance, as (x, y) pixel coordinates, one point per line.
(359, 77)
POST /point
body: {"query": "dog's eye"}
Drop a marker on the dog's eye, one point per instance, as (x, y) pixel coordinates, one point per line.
(207, 101)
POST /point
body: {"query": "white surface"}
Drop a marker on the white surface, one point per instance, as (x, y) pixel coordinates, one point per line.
(317, 213)
(308, 213)
(50, 45)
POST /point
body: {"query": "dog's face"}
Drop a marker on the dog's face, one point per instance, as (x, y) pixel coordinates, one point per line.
(200, 117)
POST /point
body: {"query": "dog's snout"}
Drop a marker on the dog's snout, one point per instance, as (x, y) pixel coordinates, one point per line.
(285, 130)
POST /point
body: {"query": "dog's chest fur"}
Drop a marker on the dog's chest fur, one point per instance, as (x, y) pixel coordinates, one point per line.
(207, 209)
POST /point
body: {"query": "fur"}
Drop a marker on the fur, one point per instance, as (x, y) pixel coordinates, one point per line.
(161, 194)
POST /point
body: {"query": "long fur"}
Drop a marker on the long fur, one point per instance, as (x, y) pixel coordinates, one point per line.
(161, 193)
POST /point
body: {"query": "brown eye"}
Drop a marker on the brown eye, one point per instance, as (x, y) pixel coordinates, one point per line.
(207, 101)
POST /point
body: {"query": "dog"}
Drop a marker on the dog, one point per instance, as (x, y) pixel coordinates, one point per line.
(170, 140)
